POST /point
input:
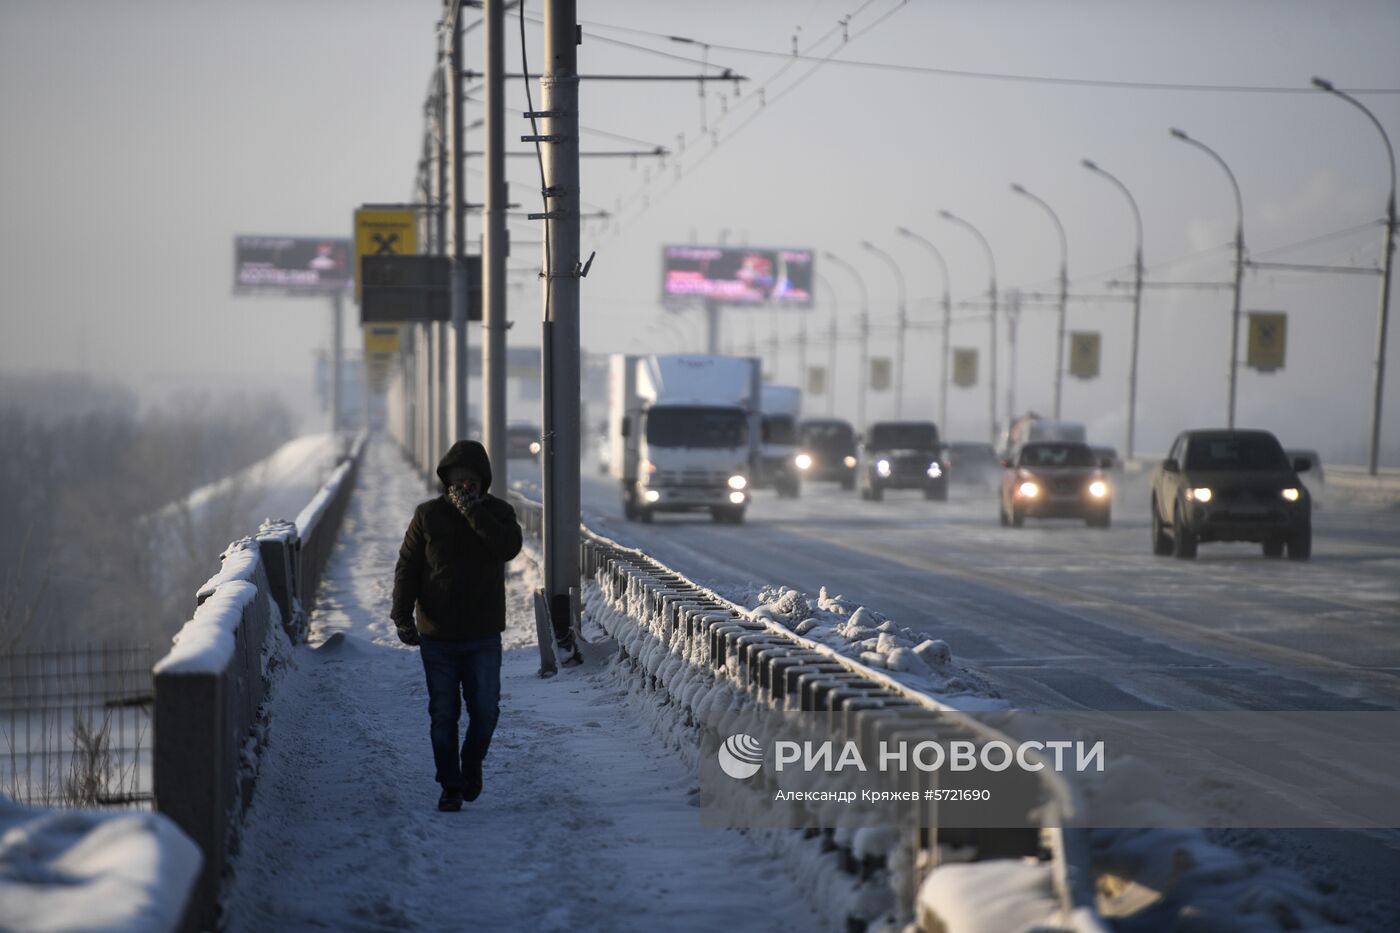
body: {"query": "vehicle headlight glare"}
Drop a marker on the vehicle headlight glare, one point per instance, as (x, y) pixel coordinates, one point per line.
(653, 495)
(1292, 494)
(1029, 490)
(1098, 489)
(850, 462)
(534, 447)
(882, 467)
(935, 470)
(804, 461)
(1199, 494)
(737, 482)
(736, 497)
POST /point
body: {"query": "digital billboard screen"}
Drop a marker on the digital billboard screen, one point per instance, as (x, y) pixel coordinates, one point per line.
(291, 264)
(738, 275)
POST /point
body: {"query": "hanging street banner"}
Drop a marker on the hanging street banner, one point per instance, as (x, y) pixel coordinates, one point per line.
(1268, 339)
(380, 232)
(290, 265)
(964, 367)
(1084, 354)
(816, 380)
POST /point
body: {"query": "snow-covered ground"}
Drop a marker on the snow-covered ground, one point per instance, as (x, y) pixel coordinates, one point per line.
(587, 821)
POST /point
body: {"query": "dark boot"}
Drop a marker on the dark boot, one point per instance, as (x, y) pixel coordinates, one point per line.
(451, 799)
(471, 776)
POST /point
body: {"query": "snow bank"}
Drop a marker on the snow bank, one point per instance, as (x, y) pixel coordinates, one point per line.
(79, 870)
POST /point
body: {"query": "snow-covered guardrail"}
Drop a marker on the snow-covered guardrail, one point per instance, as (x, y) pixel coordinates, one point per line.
(684, 639)
(210, 689)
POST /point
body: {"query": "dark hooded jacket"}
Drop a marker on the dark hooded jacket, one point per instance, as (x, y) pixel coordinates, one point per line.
(450, 577)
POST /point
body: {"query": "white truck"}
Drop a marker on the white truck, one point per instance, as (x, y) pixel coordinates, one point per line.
(781, 406)
(684, 433)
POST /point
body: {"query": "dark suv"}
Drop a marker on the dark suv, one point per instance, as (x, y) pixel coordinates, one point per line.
(1230, 486)
(827, 451)
(903, 455)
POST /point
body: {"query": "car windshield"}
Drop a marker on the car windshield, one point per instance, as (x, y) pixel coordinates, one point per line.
(779, 429)
(903, 437)
(834, 436)
(1056, 455)
(1237, 452)
(695, 427)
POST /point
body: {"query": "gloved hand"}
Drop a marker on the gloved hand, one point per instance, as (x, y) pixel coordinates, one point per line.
(408, 634)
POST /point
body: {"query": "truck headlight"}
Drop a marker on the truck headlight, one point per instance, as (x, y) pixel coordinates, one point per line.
(803, 461)
(1098, 489)
(534, 447)
(653, 495)
(1291, 494)
(882, 467)
(737, 482)
(850, 462)
(736, 497)
(1199, 494)
(1028, 489)
(935, 470)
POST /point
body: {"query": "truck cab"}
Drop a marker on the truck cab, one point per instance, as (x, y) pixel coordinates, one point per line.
(777, 459)
(685, 433)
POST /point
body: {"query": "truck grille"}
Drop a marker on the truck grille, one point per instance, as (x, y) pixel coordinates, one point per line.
(707, 478)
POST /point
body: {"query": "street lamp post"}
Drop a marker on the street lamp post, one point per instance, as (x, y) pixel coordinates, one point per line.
(863, 377)
(902, 326)
(947, 322)
(1239, 266)
(1137, 302)
(831, 349)
(1386, 257)
(1064, 295)
(992, 292)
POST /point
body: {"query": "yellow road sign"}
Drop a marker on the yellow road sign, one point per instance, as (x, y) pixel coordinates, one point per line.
(1268, 339)
(383, 233)
(1084, 354)
(880, 371)
(964, 366)
(381, 340)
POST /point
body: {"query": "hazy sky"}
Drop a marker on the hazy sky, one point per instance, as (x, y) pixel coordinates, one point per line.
(140, 137)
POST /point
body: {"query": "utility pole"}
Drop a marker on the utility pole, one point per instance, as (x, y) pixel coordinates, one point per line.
(712, 312)
(458, 281)
(902, 326)
(947, 305)
(992, 294)
(1387, 261)
(863, 376)
(1064, 300)
(1137, 304)
(1239, 267)
(494, 246)
(563, 270)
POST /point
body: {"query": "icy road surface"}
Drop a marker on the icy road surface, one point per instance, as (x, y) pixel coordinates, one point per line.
(585, 822)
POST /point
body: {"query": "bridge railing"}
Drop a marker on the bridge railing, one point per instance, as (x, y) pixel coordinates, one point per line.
(675, 617)
(211, 688)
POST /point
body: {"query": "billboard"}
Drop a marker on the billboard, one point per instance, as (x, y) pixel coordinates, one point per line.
(291, 263)
(738, 275)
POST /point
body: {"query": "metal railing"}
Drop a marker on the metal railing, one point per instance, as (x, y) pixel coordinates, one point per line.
(775, 665)
(75, 726)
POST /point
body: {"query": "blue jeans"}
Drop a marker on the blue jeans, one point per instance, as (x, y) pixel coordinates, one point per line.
(474, 668)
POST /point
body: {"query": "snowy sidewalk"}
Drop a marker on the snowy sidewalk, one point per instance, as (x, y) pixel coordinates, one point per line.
(584, 823)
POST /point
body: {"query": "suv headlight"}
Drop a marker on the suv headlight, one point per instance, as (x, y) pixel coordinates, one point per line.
(850, 462)
(1292, 494)
(803, 461)
(737, 482)
(935, 470)
(882, 467)
(1028, 489)
(1199, 494)
(1098, 489)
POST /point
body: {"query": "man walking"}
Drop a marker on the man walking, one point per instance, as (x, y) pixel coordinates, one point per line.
(450, 600)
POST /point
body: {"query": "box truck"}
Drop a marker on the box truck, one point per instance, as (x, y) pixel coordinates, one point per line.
(777, 459)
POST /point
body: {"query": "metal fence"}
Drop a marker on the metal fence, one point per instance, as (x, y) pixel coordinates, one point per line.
(75, 726)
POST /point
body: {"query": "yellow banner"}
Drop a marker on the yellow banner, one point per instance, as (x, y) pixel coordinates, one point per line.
(383, 233)
(1084, 354)
(880, 370)
(816, 380)
(964, 367)
(1268, 339)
